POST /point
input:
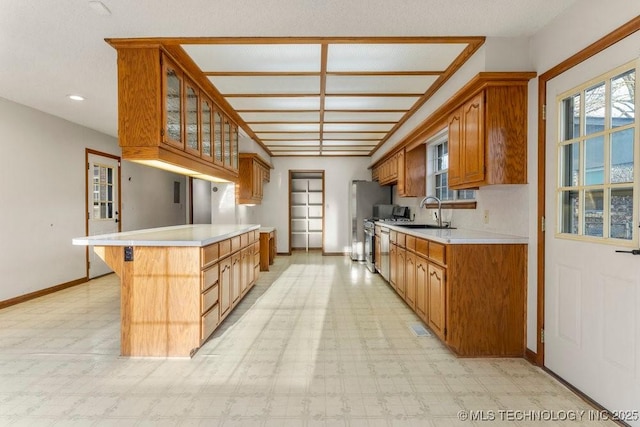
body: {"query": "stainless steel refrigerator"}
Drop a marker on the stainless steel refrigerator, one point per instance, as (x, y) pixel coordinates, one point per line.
(364, 194)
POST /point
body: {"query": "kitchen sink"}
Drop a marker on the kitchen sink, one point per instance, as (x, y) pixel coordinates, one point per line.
(425, 226)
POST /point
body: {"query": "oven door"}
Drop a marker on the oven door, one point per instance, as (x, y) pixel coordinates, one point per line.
(369, 249)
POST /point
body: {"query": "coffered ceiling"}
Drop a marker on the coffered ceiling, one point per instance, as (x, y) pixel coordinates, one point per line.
(327, 96)
(324, 77)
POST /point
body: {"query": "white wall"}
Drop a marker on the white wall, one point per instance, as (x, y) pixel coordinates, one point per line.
(338, 172)
(42, 198)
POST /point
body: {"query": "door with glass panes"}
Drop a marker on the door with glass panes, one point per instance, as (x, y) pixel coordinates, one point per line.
(592, 320)
(103, 207)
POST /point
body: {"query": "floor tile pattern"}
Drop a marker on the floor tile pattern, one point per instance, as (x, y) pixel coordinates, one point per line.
(319, 341)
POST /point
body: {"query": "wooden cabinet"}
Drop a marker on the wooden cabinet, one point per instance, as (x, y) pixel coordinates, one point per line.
(253, 173)
(410, 279)
(167, 116)
(406, 169)
(472, 296)
(236, 278)
(422, 294)
(488, 139)
(172, 82)
(174, 297)
(436, 299)
(225, 287)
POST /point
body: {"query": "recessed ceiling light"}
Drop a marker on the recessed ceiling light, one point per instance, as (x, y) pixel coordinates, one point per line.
(99, 8)
(76, 97)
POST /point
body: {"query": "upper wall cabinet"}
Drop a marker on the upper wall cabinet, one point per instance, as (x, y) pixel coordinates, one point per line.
(487, 124)
(166, 118)
(254, 172)
(488, 138)
(406, 169)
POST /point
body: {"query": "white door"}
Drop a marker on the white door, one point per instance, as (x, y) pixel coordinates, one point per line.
(592, 293)
(103, 204)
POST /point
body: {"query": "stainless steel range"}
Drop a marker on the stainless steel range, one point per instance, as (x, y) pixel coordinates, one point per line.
(369, 244)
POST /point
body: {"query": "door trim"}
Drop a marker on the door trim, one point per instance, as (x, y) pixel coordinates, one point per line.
(87, 152)
(593, 49)
(291, 173)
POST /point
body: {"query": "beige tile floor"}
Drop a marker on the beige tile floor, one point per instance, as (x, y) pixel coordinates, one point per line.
(318, 341)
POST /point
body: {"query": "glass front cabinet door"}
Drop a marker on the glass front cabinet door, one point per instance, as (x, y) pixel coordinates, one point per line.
(206, 129)
(218, 129)
(191, 101)
(234, 147)
(173, 126)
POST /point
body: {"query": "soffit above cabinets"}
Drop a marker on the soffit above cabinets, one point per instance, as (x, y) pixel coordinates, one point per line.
(326, 96)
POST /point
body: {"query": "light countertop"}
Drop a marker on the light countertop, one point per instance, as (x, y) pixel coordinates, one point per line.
(178, 235)
(458, 236)
(267, 229)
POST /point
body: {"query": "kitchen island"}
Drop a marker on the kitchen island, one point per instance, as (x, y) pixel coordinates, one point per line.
(178, 283)
(467, 286)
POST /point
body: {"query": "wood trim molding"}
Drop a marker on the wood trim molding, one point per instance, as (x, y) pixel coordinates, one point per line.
(593, 49)
(452, 205)
(531, 356)
(42, 292)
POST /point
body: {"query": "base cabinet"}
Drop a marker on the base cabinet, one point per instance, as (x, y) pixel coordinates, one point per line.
(436, 300)
(173, 298)
(471, 296)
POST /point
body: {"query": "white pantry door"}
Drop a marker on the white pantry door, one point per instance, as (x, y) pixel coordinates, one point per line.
(592, 293)
(103, 204)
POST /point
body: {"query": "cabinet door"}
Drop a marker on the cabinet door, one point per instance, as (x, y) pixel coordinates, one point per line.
(436, 300)
(234, 147)
(244, 266)
(422, 294)
(236, 277)
(410, 279)
(172, 104)
(401, 173)
(400, 271)
(218, 130)
(225, 286)
(474, 141)
(191, 102)
(206, 129)
(455, 148)
(226, 142)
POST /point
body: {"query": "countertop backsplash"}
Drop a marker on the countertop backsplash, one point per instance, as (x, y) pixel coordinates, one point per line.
(507, 206)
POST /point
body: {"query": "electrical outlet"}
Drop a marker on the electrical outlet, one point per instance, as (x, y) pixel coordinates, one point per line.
(486, 216)
(434, 215)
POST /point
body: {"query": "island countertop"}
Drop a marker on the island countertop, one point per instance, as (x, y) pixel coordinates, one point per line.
(457, 236)
(197, 235)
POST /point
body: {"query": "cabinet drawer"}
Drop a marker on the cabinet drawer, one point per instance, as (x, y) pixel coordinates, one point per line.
(210, 254)
(244, 239)
(256, 235)
(437, 252)
(393, 237)
(422, 247)
(401, 239)
(208, 298)
(209, 322)
(235, 243)
(225, 248)
(209, 277)
(411, 243)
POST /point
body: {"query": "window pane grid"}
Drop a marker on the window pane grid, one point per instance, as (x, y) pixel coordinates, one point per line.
(440, 167)
(596, 174)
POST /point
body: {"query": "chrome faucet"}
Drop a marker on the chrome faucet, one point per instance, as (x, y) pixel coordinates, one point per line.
(423, 202)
